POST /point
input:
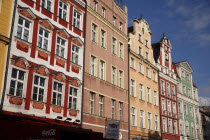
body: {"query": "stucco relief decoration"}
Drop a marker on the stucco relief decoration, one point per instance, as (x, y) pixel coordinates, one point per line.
(75, 68)
(63, 33)
(15, 100)
(56, 109)
(22, 46)
(27, 13)
(46, 24)
(75, 82)
(42, 70)
(77, 42)
(60, 77)
(73, 112)
(42, 55)
(60, 62)
(20, 62)
(38, 105)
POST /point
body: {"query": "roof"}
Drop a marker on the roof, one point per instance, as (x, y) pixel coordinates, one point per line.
(130, 29)
(194, 84)
(156, 51)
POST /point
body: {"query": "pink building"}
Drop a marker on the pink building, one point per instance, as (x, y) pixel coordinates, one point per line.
(106, 67)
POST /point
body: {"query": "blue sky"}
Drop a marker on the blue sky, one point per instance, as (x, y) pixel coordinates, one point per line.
(187, 25)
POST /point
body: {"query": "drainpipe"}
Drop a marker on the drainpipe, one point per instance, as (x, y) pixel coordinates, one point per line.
(83, 75)
(8, 57)
(128, 90)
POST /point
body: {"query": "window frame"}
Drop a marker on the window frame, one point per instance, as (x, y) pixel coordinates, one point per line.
(102, 70)
(121, 78)
(64, 47)
(103, 38)
(93, 65)
(57, 93)
(94, 32)
(132, 88)
(23, 28)
(66, 11)
(77, 20)
(45, 4)
(44, 38)
(74, 54)
(74, 107)
(133, 116)
(113, 107)
(121, 50)
(101, 105)
(91, 103)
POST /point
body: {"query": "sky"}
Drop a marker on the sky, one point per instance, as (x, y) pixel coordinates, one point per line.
(187, 26)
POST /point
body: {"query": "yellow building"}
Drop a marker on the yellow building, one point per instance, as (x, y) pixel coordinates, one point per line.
(5, 22)
(144, 98)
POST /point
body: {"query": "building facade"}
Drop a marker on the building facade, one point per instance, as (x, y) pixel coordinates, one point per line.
(204, 122)
(167, 89)
(144, 93)
(188, 102)
(45, 71)
(5, 20)
(106, 67)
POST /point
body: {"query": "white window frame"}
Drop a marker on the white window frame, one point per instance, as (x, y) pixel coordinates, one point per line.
(64, 12)
(142, 119)
(149, 120)
(45, 4)
(141, 91)
(170, 126)
(77, 19)
(132, 62)
(101, 105)
(173, 90)
(75, 54)
(121, 26)
(168, 88)
(114, 45)
(184, 89)
(17, 80)
(60, 46)
(58, 92)
(94, 32)
(42, 36)
(133, 116)
(162, 86)
(121, 79)
(163, 104)
(141, 68)
(169, 106)
(121, 50)
(91, 102)
(113, 115)
(175, 128)
(24, 29)
(73, 98)
(120, 111)
(132, 88)
(102, 70)
(147, 72)
(155, 98)
(114, 75)
(93, 61)
(114, 20)
(164, 125)
(174, 107)
(103, 12)
(148, 95)
(156, 122)
(95, 5)
(38, 86)
(103, 38)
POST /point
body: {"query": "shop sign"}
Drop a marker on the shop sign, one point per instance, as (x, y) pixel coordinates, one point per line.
(112, 129)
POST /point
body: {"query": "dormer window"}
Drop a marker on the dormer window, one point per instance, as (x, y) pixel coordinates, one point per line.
(142, 30)
(166, 57)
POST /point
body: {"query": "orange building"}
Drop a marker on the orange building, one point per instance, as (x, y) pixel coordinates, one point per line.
(144, 97)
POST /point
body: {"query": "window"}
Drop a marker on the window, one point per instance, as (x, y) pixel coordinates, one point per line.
(103, 37)
(162, 86)
(113, 109)
(192, 131)
(39, 88)
(191, 112)
(114, 75)
(154, 76)
(103, 12)
(163, 104)
(173, 91)
(149, 121)
(120, 82)
(47, 4)
(132, 87)
(132, 62)
(146, 43)
(120, 111)
(168, 88)
(141, 91)
(175, 128)
(121, 50)
(155, 98)
(121, 26)
(60, 50)
(93, 65)
(141, 68)
(179, 107)
(174, 108)
(102, 70)
(73, 98)
(101, 105)
(164, 125)
(183, 74)
(169, 106)
(94, 32)
(63, 10)
(95, 6)
(147, 55)
(184, 89)
(189, 92)
(140, 50)
(139, 39)
(170, 125)
(142, 30)
(114, 20)
(43, 41)
(148, 95)
(57, 93)
(16, 83)
(23, 31)
(77, 19)
(185, 109)
(142, 118)
(75, 54)
(187, 130)
(147, 72)
(133, 116)
(181, 129)
(114, 45)
(91, 102)
(188, 77)
(166, 57)
(156, 122)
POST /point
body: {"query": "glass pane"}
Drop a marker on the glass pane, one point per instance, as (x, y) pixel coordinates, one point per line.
(60, 13)
(12, 87)
(57, 50)
(70, 102)
(55, 86)
(40, 42)
(65, 7)
(59, 100)
(19, 31)
(20, 21)
(43, 3)
(42, 81)
(54, 98)
(27, 24)
(35, 93)
(45, 44)
(60, 4)
(60, 87)
(41, 31)
(64, 15)
(36, 80)
(46, 34)
(62, 52)
(75, 92)
(21, 75)
(48, 5)
(14, 73)
(41, 93)
(75, 103)
(25, 35)
(19, 89)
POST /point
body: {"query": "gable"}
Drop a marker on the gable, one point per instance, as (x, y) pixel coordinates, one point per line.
(186, 65)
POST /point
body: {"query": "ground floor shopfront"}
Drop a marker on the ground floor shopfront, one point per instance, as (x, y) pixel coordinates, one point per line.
(14, 127)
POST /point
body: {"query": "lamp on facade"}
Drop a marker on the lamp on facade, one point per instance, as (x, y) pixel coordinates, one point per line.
(77, 121)
(68, 120)
(58, 118)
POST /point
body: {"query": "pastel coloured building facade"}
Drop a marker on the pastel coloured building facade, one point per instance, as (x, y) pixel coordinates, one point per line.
(144, 93)
(106, 67)
(189, 118)
(168, 90)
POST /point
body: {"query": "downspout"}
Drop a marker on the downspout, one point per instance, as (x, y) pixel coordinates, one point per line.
(128, 91)
(83, 75)
(8, 57)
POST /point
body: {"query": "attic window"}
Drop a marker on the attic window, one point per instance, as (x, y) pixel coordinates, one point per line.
(142, 30)
(166, 57)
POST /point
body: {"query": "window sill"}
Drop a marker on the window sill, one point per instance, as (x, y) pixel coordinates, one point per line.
(142, 100)
(132, 68)
(141, 73)
(76, 64)
(20, 39)
(64, 59)
(46, 51)
(15, 96)
(46, 9)
(63, 20)
(77, 28)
